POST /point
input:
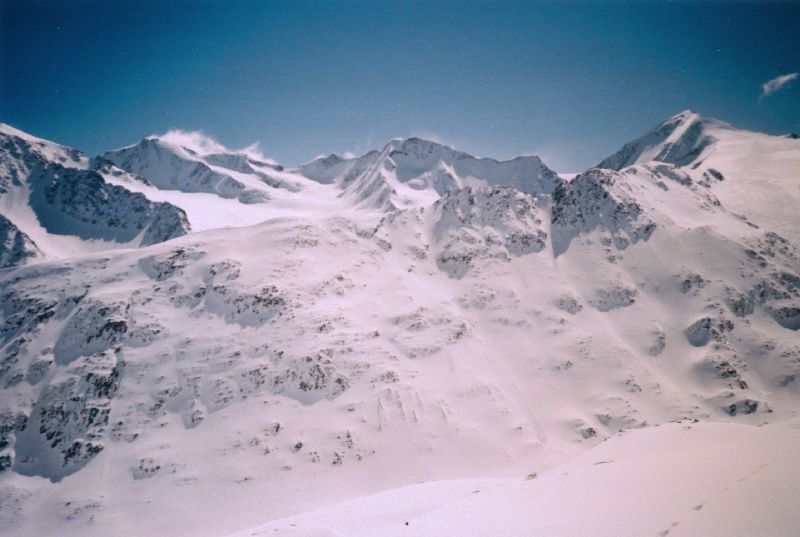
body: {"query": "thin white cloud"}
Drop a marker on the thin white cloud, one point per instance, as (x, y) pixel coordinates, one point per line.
(203, 144)
(777, 83)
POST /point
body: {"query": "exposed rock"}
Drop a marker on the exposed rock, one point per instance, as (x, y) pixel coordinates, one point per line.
(613, 298)
(596, 200)
(745, 406)
(569, 304)
(704, 330)
(68, 422)
(16, 248)
(787, 316)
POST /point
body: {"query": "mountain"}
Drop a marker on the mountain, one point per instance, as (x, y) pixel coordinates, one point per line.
(54, 204)
(16, 247)
(751, 173)
(220, 187)
(460, 326)
(228, 175)
(680, 140)
(414, 172)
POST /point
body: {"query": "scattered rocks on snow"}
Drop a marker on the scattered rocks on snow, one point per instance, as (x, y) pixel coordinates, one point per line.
(613, 298)
(704, 330)
(569, 304)
(787, 316)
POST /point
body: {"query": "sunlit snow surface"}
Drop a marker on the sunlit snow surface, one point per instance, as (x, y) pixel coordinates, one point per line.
(399, 331)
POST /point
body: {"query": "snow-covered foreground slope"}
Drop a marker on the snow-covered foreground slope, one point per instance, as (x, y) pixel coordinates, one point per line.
(678, 479)
(229, 377)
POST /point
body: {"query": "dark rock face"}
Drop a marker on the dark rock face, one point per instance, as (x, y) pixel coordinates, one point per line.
(16, 248)
(498, 222)
(68, 197)
(80, 202)
(704, 330)
(310, 379)
(98, 325)
(596, 200)
(613, 298)
(787, 316)
(67, 424)
(725, 369)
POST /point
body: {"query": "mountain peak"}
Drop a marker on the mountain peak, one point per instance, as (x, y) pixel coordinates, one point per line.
(679, 140)
(419, 148)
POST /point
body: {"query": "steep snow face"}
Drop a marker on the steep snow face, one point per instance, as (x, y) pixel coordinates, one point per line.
(415, 172)
(56, 205)
(750, 173)
(228, 175)
(680, 140)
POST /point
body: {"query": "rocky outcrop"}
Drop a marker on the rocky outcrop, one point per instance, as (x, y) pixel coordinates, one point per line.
(79, 202)
(67, 196)
(596, 200)
(67, 425)
(16, 248)
(479, 223)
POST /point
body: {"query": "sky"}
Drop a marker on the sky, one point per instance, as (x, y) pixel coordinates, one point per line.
(568, 81)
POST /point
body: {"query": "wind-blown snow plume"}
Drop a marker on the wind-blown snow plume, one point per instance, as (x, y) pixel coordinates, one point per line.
(204, 144)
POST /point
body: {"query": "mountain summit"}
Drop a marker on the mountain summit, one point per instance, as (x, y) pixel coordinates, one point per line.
(416, 172)
(679, 140)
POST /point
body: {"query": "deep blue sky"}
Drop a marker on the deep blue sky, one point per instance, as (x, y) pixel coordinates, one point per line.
(568, 81)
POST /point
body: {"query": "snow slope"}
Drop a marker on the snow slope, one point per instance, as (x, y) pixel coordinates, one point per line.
(678, 479)
(470, 335)
(751, 173)
(216, 188)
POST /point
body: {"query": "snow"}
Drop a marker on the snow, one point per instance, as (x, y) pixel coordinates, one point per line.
(383, 336)
(414, 172)
(677, 479)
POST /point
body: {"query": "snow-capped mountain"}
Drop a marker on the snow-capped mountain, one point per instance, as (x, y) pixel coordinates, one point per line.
(55, 204)
(752, 174)
(412, 315)
(172, 167)
(414, 172)
(679, 140)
